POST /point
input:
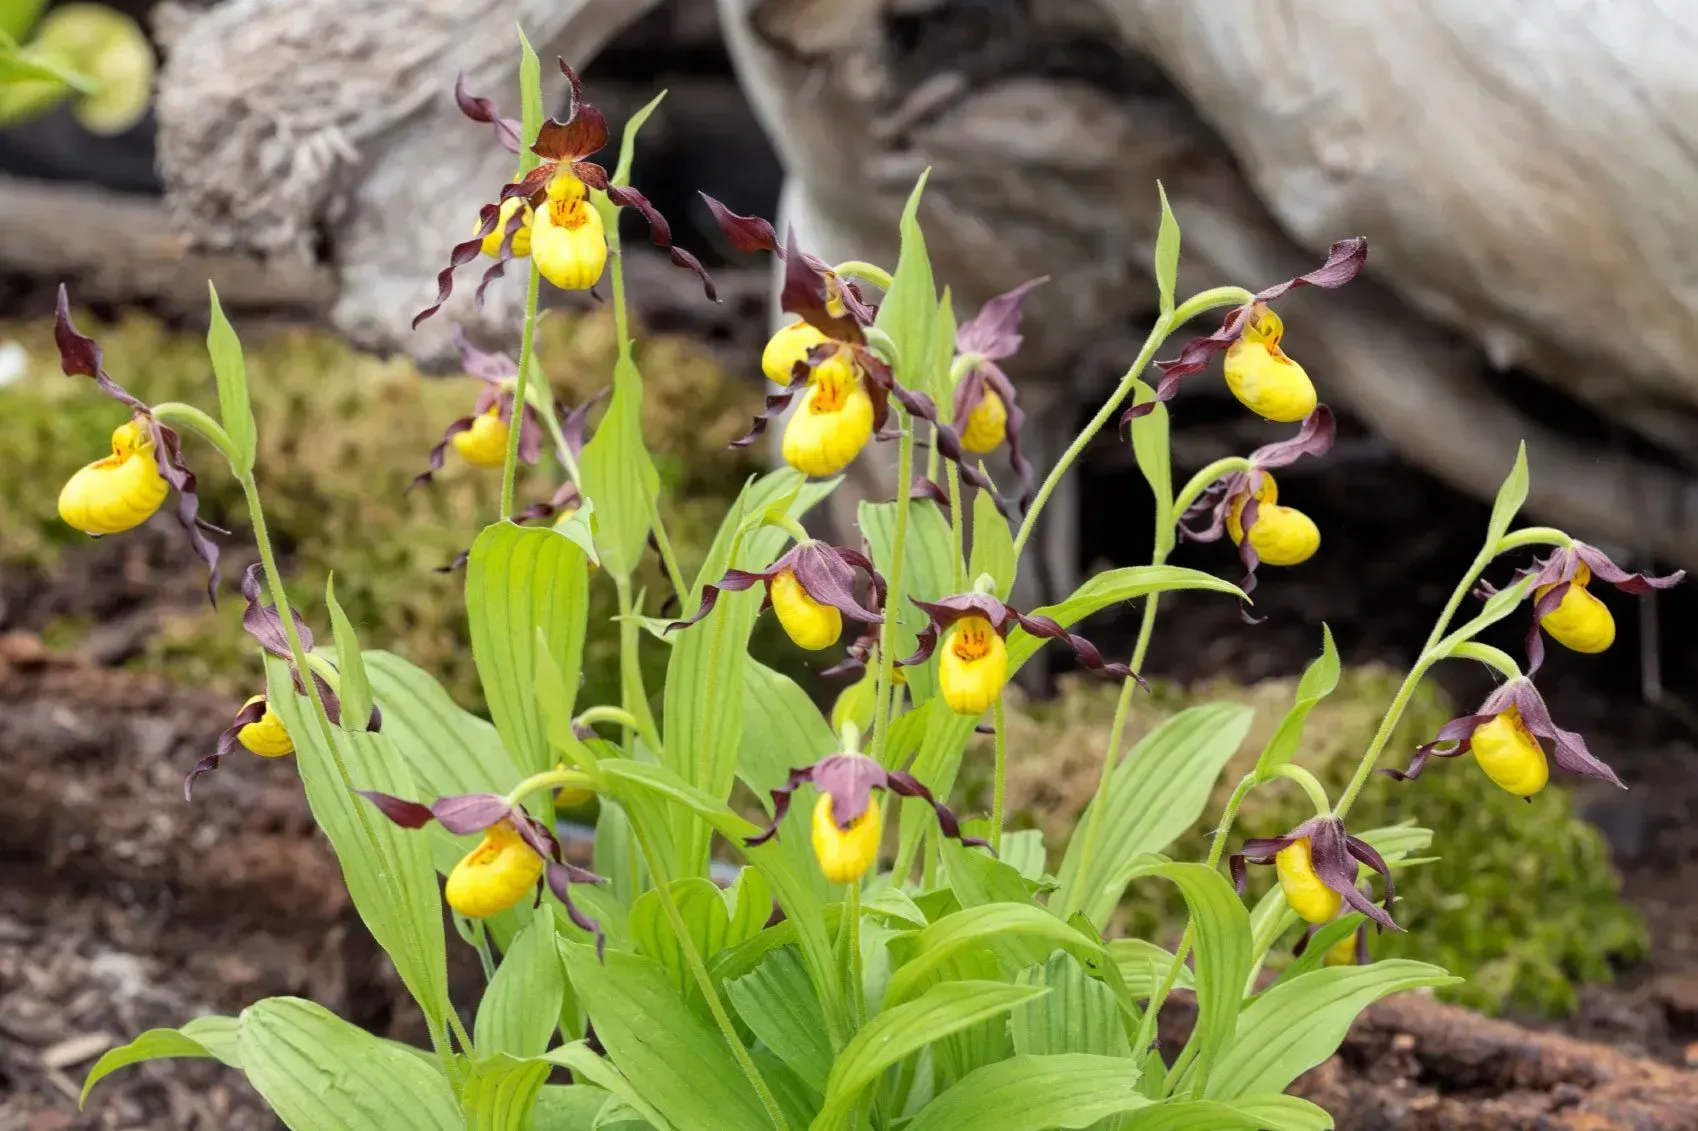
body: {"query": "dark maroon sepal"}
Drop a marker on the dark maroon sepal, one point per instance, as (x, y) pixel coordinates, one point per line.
(484, 110)
(407, 814)
(229, 741)
(463, 253)
(995, 331)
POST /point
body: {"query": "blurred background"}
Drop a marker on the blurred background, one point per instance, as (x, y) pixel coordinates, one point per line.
(1530, 277)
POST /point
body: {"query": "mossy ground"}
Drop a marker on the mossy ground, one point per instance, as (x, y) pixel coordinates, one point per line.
(1522, 899)
(341, 436)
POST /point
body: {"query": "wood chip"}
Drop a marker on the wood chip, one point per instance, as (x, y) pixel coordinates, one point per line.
(75, 1050)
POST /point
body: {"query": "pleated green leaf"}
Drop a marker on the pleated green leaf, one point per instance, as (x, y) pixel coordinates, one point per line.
(1035, 1093)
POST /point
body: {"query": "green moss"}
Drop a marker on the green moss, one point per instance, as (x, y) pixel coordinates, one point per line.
(341, 436)
(1522, 900)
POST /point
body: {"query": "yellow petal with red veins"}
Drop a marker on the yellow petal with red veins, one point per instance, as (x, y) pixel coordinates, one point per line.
(568, 242)
(1510, 755)
(495, 875)
(830, 426)
(485, 443)
(845, 855)
(119, 492)
(806, 621)
(972, 666)
(986, 425)
(1305, 891)
(1267, 382)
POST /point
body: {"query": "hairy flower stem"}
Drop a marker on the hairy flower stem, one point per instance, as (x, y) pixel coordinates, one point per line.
(957, 526)
(999, 786)
(298, 652)
(527, 358)
(633, 695)
(698, 971)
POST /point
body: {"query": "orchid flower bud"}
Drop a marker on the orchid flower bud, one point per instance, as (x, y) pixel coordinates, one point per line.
(119, 492)
(568, 242)
(787, 347)
(846, 853)
(833, 422)
(986, 424)
(495, 875)
(811, 624)
(1308, 894)
(521, 245)
(1580, 622)
(972, 666)
(1510, 755)
(484, 444)
(268, 738)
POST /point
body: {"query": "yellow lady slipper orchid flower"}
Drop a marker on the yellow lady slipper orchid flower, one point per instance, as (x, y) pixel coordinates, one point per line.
(785, 348)
(986, 424)
(1305, 891)
(495, 875)
(1580, 622)
(267, 737)
(484, 444)
(1317, 864)
(833, 422)
(1510, 755)
(1268, 383)
(1281, 536)
(568, 242)
(119, 492)
(972, 666)
(1507, 734)
(846, 824)
(811, 624)
(521, 245)
(1351, 950)
(845, 854)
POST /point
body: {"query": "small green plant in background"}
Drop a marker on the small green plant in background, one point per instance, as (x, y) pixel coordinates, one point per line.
(873, 960)
(91, 56)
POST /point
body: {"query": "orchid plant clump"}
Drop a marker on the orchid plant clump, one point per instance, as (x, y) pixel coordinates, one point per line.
(873, 958)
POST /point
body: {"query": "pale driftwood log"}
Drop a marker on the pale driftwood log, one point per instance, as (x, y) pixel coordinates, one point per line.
(1525, 184)
(291, 125)
(1518, 214)
(120, 247)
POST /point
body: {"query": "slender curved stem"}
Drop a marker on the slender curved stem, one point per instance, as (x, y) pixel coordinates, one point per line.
(957, 527)
(698, 971)
(561, 448)
(867, 272)
(527, 351)
(606, 713)
(1532, 536)
(550, 779)
(1495, 658)
(1311, 785)
(1199, 303)
(178, 414)
(1198, 483)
